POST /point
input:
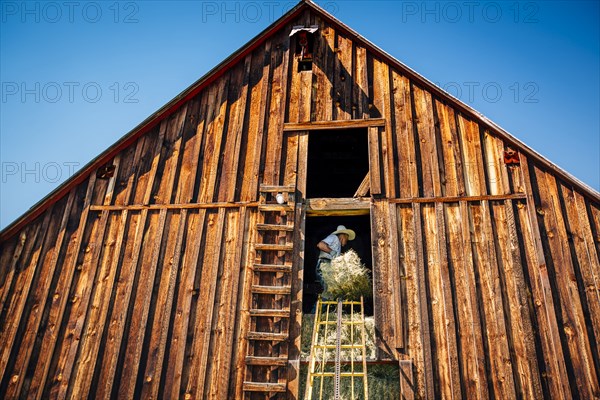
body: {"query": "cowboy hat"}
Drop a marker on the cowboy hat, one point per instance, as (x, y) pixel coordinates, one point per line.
(342, 229)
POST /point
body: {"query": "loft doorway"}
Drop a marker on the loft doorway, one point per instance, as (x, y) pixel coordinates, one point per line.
(319, 227)
(338, 162)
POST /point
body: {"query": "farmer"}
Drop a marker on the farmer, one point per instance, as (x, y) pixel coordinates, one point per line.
(331, 247)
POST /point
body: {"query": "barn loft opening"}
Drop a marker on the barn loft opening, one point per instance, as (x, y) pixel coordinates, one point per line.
(317, 228)
(338, 162)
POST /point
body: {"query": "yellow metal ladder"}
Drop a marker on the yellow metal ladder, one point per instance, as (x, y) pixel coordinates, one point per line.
(334, 321)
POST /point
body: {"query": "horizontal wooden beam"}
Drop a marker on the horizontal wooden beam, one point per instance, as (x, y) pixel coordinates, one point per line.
(518, 196)
(328, 125)
(137, 207)
(342, 206)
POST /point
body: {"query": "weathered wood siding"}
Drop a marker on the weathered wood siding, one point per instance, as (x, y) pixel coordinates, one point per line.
(487, 276)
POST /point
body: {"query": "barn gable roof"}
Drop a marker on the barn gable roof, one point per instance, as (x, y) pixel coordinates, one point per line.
(239, 55)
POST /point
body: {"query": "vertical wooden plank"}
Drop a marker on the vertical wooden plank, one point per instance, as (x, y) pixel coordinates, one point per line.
(587, 256)
(453, 181)
(181, 319)
(61, 295)
(259, 81)
(323, 72)
(394, 283)
(295, 329)
(80, 299)
(291, 158)
(206, 304)
(497, 172)
(405, 139)
(36, 300)
(517, 313)
(193, 135)
(10, 257)
(240, 343)
(472, 162)
(278, 90)
(218, 371)
(407, 383)
(106, 375)
(419, 336)
(342, 78)
(360, 91)
(555, 371)
(470, 338)
(99, 304)
(26, 270)
(374, 160)
(427, 143)
(215, 119)
(495, 337)
(150, 252)
(571, 312)
(382, 103)
(446, 367)
(235, 130)
(384, 305)
(164, 302)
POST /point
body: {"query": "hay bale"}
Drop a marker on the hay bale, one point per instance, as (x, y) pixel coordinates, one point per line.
(346, 277)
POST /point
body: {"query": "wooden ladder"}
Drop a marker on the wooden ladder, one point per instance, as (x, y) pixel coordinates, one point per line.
(267, 358)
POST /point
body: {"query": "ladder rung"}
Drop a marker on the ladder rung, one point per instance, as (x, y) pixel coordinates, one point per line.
(270, 313)
(273, 227)
(272, 268)
(264, 387)
(275, 207)
(342, 374)
(343, 346)
(345, 302)
(277, 189)
(274, 247)
(274, 361)
(343, 323)
(271, 289)
(267, 336)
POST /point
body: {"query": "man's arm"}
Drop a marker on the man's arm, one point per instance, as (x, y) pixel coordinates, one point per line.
(324, 247)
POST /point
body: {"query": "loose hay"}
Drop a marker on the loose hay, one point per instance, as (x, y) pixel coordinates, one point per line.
(346, 277)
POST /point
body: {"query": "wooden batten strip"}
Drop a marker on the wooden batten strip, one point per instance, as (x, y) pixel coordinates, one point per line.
(11, 267)
(517, 196)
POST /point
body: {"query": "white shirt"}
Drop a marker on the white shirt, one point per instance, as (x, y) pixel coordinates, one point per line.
(334, 244)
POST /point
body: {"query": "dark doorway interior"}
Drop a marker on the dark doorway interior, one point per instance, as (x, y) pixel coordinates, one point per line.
(317, 228)
(338, 161)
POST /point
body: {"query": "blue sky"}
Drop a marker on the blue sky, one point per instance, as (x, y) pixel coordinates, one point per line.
(76, 76)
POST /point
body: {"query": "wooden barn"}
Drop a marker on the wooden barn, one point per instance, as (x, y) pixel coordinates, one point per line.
(166, 268)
